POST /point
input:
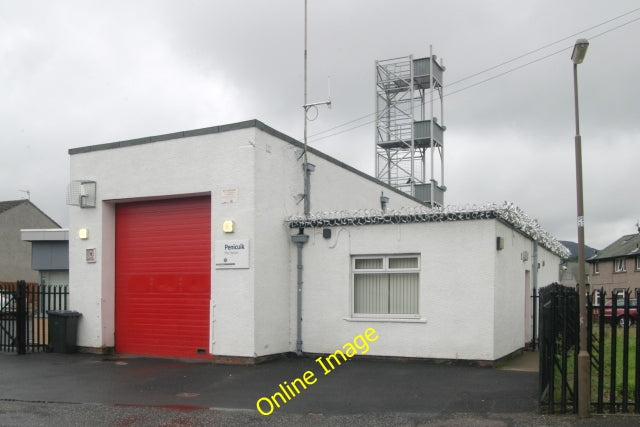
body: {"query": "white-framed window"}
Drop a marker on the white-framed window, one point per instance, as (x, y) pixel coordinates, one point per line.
(386, 286)
(619, 265)
(596, 267)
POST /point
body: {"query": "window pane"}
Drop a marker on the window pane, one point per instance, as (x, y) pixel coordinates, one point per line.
(371, 293)
(409, 262)
(403, 293)
(369, 264)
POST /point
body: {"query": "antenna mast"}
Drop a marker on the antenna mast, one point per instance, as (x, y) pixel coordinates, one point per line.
(306, 166)
(27, 192)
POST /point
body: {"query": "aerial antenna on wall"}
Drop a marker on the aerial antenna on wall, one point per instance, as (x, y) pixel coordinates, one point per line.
(306, 166)
(27, 192)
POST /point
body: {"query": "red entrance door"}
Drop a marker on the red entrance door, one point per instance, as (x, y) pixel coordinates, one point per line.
(163, 277)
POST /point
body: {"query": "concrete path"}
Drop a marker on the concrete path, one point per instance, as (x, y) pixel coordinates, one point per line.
(528, 361)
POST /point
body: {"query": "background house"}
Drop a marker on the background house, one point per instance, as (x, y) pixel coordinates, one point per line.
(190, 245)
(15, 254)
(617, 267)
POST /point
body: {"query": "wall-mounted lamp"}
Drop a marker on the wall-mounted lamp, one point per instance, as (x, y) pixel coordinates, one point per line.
(228, 226)
(83, 233)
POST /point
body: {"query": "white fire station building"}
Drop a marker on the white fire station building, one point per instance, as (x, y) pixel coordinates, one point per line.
(195, 244)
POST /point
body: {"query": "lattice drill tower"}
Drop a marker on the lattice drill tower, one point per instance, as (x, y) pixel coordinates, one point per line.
(409, 130)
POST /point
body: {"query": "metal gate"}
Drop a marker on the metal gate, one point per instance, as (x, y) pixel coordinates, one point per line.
(24, 322)
(613, 342)
(559, 342)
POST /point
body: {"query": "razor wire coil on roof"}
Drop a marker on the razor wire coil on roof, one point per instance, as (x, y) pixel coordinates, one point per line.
(507, 212)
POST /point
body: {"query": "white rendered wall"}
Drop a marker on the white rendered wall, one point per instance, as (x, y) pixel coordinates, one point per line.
(279, 185)
(253, 309)
(278, 181)
(549, 271)
(333, 188)
(511, 294)
(456, 300)
(196, 165)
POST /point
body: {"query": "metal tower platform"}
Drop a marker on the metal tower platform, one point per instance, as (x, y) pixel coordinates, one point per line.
(409, 132)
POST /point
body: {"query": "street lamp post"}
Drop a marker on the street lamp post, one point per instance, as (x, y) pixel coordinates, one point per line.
(584, 376)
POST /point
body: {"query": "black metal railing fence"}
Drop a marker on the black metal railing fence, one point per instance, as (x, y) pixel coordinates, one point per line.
(24, 322)
(613, 341)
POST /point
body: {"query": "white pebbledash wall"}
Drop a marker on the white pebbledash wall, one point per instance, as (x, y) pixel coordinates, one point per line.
(472, 296)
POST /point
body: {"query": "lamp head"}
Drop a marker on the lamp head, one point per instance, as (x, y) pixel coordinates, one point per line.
(579, 51)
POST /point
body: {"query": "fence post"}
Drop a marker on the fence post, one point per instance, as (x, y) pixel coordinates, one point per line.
(601, 354)
(613, 353)
(534, 339)
(21, 316)
(637, 376)
(625, 353)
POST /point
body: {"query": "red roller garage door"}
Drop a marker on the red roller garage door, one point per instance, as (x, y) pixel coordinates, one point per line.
(163, 277)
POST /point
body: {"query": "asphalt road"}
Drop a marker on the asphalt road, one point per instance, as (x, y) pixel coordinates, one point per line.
(78, 389)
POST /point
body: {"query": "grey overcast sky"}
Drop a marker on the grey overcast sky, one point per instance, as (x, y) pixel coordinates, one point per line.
(76, 73)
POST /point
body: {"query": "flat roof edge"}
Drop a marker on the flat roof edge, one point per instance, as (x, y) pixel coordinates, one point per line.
(169, 136)
(44, 234)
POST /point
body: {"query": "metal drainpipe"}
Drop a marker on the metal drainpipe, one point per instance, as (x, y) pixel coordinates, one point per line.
(299, 239)
(534, 307)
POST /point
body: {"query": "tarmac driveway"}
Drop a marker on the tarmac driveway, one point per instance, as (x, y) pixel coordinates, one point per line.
(51, 390)
(356, 386)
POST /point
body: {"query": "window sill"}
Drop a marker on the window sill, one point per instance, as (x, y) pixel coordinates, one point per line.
(386, 319)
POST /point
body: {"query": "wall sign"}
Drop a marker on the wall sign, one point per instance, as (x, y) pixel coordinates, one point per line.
(229, 195)
(91, 255)
(232, 254)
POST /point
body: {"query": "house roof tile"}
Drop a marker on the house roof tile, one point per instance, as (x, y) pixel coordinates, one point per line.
(10, 204)
(625, 246)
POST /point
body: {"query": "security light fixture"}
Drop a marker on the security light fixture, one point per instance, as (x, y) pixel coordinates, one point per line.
(228, 226)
